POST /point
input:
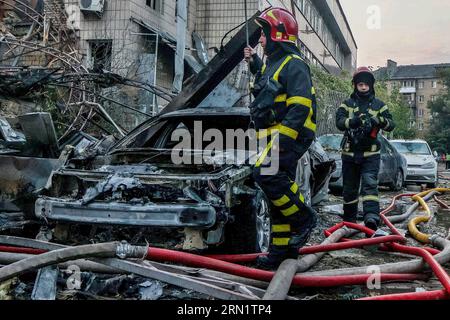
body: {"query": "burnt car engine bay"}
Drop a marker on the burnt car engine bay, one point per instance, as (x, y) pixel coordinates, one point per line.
(145, 195)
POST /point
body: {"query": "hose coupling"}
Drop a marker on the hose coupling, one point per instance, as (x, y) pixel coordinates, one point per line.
(125, 250)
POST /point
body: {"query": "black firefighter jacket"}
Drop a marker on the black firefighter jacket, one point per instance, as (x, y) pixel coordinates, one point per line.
(355, 140)
(294, 107)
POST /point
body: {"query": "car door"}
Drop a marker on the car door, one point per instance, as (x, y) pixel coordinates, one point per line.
(391, 162)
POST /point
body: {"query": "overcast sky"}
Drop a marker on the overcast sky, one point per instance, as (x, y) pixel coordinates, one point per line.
(408, 31)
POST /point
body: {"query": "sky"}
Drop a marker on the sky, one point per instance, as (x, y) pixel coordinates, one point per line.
(406, 31)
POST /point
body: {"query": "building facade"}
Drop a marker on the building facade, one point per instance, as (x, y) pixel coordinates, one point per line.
(419, 84)
(138, 39)
(325, 37)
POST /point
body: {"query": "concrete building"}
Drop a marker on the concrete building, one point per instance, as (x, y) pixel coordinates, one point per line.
(120, 32)
(419, 84)
(325, 37)
(138, 39)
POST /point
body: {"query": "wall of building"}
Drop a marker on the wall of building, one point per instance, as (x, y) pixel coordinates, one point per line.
(424, 93)
(319, 44)
(329, 42)
(215, 18)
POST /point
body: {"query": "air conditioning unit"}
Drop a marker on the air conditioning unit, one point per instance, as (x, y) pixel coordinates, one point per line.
(96, 7)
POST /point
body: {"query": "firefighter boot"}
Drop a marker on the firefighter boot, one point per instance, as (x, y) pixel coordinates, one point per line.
(273, 260)
(298, 240)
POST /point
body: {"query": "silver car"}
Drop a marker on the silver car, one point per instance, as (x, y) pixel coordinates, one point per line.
(393, 164)
(422, 166)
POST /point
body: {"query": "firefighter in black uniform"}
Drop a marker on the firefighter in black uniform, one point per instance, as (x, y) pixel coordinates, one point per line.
(361, 118)
(284, 115)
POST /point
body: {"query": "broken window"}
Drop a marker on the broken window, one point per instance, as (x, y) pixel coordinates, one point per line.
(100, 55)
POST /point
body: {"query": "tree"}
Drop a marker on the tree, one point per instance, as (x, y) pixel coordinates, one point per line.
(400, 111)
(439, 133)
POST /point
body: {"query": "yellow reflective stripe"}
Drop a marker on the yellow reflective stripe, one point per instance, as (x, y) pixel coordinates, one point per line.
(385, 108)
(292, 38)
(277, 74)
(374, 148)
(307, 103)
(369, 154)
(280, 241)
(373, 112)
(289, 212)
(351, 154)
(299, 100)
(279, 35)
(313, 91)
(344, 106)
(263, 68)
(267, 132)
(281, 98)
(302, 198)
(371, 198)
(347, 123)
(281, 202)
(308, 123)
(264, 154)
(291, 133)
(294, 188)
(270, 14)
(352, 202)
(278, 228)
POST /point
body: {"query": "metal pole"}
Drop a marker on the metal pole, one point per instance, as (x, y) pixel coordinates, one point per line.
(155, 107)
(248, 44)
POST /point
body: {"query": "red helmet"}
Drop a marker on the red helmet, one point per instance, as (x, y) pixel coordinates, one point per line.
(363, 74)
(283, 26)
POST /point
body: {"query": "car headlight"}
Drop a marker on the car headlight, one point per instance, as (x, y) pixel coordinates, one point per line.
(428, 165)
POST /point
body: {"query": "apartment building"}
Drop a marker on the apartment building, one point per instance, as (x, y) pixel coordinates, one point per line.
(325, 37)
(419, 84)
(138, 38)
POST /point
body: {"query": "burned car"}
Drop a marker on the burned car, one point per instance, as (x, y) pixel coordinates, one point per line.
(213, 197)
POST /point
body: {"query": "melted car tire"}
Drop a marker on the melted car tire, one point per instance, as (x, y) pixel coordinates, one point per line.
(241, 235)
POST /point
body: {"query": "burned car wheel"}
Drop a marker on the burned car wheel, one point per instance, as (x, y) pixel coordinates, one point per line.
(250, 230)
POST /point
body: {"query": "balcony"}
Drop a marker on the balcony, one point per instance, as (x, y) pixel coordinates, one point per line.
(411, 104)
(408, 90)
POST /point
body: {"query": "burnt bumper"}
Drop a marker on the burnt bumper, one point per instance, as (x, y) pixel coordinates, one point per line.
(201, 216)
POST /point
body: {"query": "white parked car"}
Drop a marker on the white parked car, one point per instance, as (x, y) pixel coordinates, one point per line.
(422, 166)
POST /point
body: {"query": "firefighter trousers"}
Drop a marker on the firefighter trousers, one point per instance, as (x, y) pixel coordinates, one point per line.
(361, 172)
(292, 219)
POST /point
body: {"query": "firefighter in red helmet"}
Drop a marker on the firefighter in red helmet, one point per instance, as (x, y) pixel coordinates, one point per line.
(361, 118)
(284, 114)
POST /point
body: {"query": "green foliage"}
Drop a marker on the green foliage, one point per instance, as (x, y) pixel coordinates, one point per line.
(400, 111)
(324, 81)
(439, 133)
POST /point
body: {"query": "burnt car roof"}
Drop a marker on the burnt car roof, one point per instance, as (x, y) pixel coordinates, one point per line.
(208, 112)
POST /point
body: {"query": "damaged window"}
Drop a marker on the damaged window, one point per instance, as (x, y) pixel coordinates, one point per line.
(100, 55)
